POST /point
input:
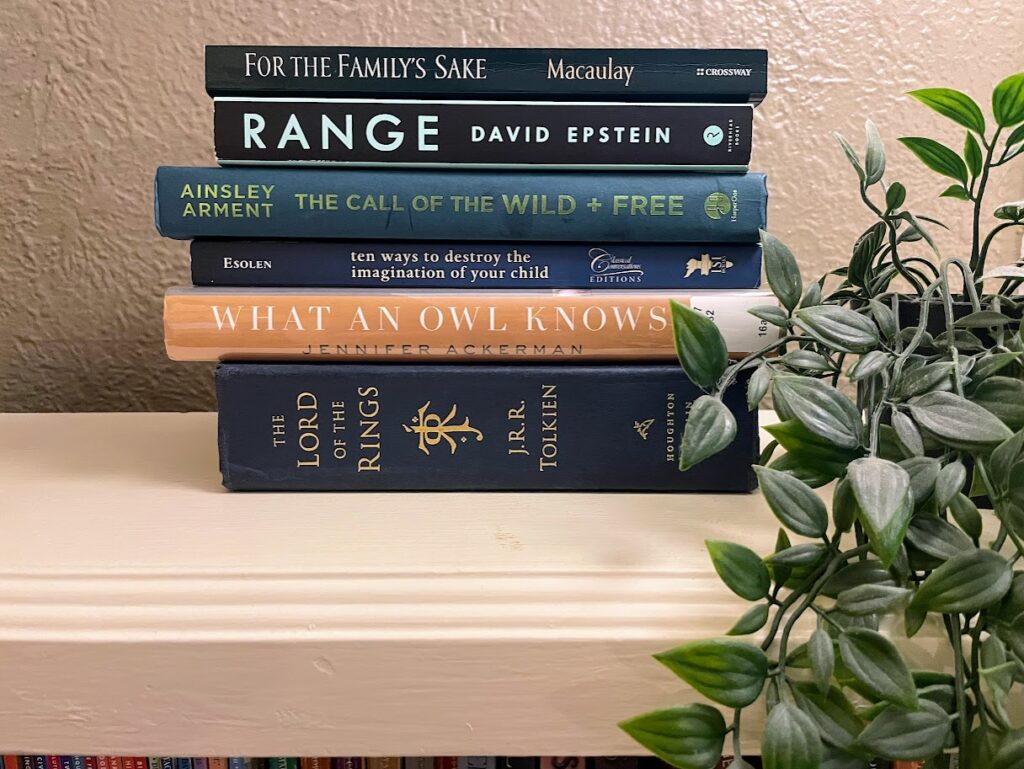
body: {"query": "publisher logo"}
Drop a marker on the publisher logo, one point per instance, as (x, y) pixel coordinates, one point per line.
(717, 205)
(713, 135)
(642, 428)
(723, 71)
(606, 267)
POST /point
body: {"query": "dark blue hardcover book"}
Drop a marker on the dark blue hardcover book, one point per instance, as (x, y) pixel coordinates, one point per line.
(618, 74)
(367, 204)
(482, 134)
(364, 264)
(451, 428)
(66, 762)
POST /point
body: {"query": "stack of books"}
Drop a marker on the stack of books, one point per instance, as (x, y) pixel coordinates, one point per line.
(452, 269)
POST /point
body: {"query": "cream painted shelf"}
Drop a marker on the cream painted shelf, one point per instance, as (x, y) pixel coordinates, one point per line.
(145, 611)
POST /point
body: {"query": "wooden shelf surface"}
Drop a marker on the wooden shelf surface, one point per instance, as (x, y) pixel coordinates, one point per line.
(146, 611)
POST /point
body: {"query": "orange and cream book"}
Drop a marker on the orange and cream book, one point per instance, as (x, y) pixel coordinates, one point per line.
(447, 326)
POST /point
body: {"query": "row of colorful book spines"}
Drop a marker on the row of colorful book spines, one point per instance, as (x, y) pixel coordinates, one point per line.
(396, 762)
(343, 762)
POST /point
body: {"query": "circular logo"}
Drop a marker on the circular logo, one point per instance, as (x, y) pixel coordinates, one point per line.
(717, 205)
(713, 135)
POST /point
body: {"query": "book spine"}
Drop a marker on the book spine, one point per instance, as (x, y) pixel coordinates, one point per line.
(383, 762)
(418, 762)
(254, 324)
(362, 264)
(446, 762)
(518, 762)
(563, 762)
(12, 762)
(346, 762)
(498, 428)
(200, 762)
(717, 75)
(481, 134)
(477, 762)
(418, 204)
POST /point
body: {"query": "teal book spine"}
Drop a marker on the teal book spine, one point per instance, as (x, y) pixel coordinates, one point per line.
(279, 202)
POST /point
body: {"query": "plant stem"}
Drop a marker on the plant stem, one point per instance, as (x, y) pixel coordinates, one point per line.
(977, 261)
(737, 748)
(952, 622)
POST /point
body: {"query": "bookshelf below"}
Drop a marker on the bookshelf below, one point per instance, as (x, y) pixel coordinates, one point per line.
(145, 611)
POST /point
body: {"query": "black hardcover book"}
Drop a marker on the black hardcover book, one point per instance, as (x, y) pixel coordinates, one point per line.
(712, 137)
(612, 74)
(354, 427)
(518, 762)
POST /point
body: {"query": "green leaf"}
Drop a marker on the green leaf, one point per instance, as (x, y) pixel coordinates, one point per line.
(863, 600)
(699, 345)
(895, 196)
(950, 482)
(1008, 100)
(967, 582)
(807, 468)
(1016, 137)
(957, 422)
(994, 669)
(751, 621)
(1010, 754)
(1004, 397)
(781, 573)
(823, 659)
(937, 538)
(839, 328)
(983, 319)
(797, 439)
(885, 318)
(874, 157)
(913, 619)
(937, 157)
(878, 665)
(740, 568)
(710, 427)
(836, 719)
(908, 434)
(898, 733)
(799, 555)
(856, 574)
(972, 154)
(757, 386)
(1010, 212)
(812, 296)
(781, 270)
(923, 379)
(688, 737)
(794, 503)
(957, 106)
(790, 740)
(869, 365)
(957, 191)
(731, 673)
(770, 313)
(808, 360)
(991, 365)
(851, 155)
(1003, 459)
(923, 472)
(966, 515)
(844, 506)
(882, 490)
(821, 409)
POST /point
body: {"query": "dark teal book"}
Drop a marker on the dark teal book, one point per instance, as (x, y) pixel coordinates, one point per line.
(352, 427)
(575, 206)
(582, 74)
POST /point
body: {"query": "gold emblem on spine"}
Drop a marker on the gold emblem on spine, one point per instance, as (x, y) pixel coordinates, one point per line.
(643, 427)
(707, 264)
(432, 429)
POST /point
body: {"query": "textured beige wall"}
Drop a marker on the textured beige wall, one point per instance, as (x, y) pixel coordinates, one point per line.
(94, 94)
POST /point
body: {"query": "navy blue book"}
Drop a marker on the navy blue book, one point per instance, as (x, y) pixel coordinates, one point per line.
(347, 427)
(400, 264)
(613, 74)
(414, 204)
